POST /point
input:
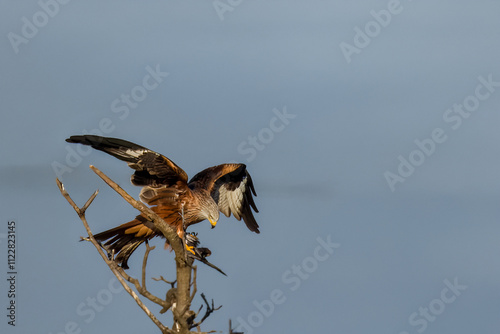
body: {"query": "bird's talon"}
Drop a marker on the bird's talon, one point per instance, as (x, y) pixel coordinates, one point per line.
(190, 249)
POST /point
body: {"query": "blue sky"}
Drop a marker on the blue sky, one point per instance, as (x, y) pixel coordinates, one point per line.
(371, 124)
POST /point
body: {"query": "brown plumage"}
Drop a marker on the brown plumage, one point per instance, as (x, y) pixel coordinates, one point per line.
(227, 188)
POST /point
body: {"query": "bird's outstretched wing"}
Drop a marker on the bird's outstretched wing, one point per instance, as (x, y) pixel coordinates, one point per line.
(231, 187)
(151, 168)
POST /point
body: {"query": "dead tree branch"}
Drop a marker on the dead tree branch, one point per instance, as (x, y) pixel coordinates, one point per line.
(111, 264)
(180, 296)
(210, 309)
(164, 280)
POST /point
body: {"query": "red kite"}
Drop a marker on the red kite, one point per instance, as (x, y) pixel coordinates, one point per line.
(227, 188)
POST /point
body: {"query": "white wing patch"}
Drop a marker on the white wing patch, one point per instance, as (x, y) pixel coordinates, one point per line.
(135, 153)
(223, 205)
(129, 153)
(232, 201)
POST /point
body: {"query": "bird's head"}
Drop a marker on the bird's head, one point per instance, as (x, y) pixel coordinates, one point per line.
(212, 213)
(213, 219)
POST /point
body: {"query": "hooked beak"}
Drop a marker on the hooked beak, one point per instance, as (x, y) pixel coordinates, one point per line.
(212, 222)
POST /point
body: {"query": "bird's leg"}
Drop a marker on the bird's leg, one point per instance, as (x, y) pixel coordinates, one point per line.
(182, 216)
(184, 240)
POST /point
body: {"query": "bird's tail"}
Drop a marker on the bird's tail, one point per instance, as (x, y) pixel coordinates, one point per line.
(123, 240)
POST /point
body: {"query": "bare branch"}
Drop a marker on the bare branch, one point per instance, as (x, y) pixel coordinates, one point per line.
(195, 289)
(183, 266)
(89, 201)
(144, 292)
(210, 310)
(111, 264)
(164, 280)
(182, 295)
(145, 262)
(81, 214)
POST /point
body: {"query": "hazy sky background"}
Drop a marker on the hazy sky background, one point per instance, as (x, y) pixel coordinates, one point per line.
(318, 174)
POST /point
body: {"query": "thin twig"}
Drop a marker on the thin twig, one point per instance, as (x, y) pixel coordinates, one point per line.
(164, 280)
(141, 289)
(195, 270)
(145, 262)
(210, 309)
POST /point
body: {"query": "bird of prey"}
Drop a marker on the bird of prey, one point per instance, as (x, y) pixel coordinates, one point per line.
(227, 188)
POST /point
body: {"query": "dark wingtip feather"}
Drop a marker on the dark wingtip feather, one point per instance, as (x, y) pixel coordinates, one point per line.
(98, 141)
(251, 223)
(85, 139)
